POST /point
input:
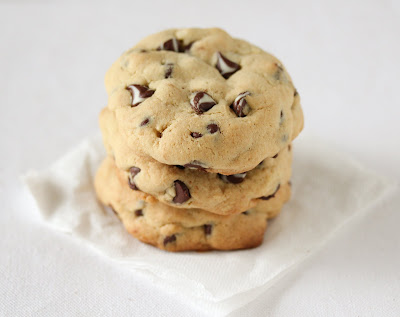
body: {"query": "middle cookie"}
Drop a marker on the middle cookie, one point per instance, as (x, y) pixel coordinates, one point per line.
(190, 186)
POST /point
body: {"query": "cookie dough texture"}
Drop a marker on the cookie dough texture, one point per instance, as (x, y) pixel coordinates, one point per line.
(209, 191)
(177, 229)
(163, 122)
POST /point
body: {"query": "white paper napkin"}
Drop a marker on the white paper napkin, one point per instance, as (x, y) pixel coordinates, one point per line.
(328, 190)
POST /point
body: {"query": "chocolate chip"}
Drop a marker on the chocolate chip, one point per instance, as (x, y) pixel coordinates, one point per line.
(138, 212)
(201, 102)
(208, 229)
(233, 179)
(169, 239)
(188, 47)
(171, 45)
(276, 155)
(225, 66)
(139, 94)
(245, 212)
(240, 105)
(180, 167)
(196, 165)
(182, 193)
(289, 147)
(212, 128)
(175, 45)
(169, 69)
(133, 171)
(272, 195)
(144, 122)
(196, 135)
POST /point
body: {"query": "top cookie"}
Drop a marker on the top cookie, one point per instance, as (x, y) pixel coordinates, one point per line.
(198, 95)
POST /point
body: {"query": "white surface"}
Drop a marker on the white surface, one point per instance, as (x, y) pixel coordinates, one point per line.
(329, 190)
(343, 57)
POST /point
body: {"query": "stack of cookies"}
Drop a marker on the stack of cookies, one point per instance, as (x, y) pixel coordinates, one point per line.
(198, 131)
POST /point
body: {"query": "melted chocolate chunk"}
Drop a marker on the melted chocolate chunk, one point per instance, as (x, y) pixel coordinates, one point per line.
(202, 102)
(169, 69)
(182, 193)
(139, 213)
(196, 135)
(225, 66)
(208, 229)
(171, 45)
(144, 122)
(169, 239)
(212, 128)
(233, 179)
(139, 94)
(272, 195)
(175, 45)
(240, 105)
(133, 171)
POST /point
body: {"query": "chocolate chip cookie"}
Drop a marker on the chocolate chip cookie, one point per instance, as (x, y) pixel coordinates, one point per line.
(201, 97)
(198, 130)
(177, 229)
(189, 186)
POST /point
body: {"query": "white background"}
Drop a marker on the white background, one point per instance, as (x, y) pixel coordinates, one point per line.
(344, 59)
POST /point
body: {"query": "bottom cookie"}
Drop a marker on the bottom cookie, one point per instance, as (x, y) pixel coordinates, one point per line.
(178, 229)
